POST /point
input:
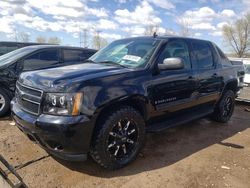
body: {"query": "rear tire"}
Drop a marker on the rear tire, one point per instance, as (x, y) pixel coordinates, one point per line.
(225, 107)
(4, 103)
(118, 138)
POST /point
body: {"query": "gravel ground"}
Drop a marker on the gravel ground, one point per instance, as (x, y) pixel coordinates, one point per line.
(245, 94)
(198, 154)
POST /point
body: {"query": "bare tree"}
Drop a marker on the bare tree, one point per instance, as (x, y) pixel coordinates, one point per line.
(185, 28)
(170, 32)
(23, 37)
(98, 42)
(41, 39)
(151, 29)
(54, 40)
(237, 35)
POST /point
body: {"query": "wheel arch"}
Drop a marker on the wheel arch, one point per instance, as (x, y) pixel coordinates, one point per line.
(7, 91)
(138, 102)
(231, 85)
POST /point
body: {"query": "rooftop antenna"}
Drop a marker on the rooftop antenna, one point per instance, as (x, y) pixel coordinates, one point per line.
(155, 35)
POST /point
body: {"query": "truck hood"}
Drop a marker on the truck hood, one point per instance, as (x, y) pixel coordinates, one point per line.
(61, 78)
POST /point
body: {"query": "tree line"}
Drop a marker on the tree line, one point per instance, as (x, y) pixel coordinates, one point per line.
(236, 36)
(25, 37)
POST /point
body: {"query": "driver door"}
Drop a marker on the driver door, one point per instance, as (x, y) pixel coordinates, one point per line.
(173, 90)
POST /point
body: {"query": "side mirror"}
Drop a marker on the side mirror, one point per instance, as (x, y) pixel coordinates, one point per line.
(172, 63)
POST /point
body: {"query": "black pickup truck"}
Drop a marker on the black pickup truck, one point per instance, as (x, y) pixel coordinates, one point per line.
(105, 106)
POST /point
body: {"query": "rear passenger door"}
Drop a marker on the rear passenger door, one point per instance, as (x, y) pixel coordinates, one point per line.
(71, 56)
(205, 65)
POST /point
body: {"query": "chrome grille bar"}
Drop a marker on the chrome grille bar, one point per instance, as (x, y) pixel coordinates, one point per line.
(29, 98)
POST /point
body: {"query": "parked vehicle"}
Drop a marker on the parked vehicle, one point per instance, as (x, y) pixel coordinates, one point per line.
(7, 46)
(105, 106)
(34, 58)
(247, 74)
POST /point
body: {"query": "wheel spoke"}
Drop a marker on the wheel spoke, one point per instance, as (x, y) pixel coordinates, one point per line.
(117, 149)
(114, 134)
(132, 131)
(224, 113)
(127, 125)
(130, 141)
(119, 126)
(111, 145)
(124, 148)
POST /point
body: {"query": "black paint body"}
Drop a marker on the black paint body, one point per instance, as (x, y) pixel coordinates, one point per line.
(153, 92)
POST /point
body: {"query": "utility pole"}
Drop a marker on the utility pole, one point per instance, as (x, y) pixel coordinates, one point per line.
(83, 37)
(80, 38)
(15, 35)
(85, 42)
(98, 39)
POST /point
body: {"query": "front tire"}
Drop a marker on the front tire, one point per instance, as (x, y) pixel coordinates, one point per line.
(118, 138)
(4, 103)
(225, 107)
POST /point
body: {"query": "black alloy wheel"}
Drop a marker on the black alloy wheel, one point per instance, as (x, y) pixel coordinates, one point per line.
(225, 107)
(118, 138)
(122, 139)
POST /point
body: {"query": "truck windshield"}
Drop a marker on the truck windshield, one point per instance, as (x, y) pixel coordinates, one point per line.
(131, 53)
(14, 55)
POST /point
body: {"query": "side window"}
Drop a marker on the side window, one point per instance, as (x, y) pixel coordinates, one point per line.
(41, 60)
(90, 53)
(74, 55)
(4, 49)
(203, 54)
(222, 55)
(176, 48)
(223, 58)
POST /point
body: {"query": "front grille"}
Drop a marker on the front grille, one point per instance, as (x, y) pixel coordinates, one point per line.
(29, 98)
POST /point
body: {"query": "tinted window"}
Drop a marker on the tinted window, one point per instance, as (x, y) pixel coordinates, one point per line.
(15, 55)
(176, 48)
(42, 59)
(7, 48)
(203, 54)
(75, 55)
(90, 53)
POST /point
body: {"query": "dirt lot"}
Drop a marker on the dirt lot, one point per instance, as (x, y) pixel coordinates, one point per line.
(199, 154)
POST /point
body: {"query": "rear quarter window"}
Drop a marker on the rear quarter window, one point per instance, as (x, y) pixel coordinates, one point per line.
(223, 58)
(76, 55)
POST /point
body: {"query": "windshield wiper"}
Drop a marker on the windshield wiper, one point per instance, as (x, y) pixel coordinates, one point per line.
(113, 63)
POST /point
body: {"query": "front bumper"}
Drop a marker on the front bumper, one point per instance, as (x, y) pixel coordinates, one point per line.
(65, 137)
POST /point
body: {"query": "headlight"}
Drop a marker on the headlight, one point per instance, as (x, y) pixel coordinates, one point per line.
(62, 103)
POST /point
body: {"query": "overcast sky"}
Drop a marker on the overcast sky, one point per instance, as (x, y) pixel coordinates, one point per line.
(116, 18)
